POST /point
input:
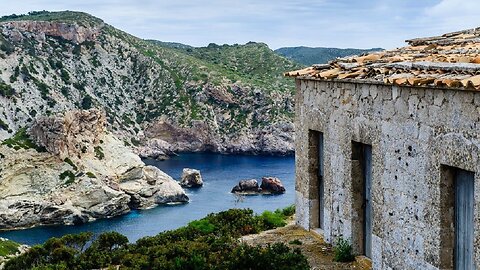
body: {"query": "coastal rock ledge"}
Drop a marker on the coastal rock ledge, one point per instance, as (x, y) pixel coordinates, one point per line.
(68, 169)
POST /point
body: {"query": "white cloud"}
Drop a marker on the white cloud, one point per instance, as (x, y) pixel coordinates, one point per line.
(454, 15)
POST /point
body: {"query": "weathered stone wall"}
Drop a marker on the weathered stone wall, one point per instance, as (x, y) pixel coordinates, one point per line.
(413, 131)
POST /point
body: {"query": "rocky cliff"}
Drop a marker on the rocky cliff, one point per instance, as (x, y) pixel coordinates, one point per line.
(68, 169)
(228, 99)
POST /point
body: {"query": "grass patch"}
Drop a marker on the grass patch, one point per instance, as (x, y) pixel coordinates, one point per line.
(8, 247)
(273, 219)
(343, 251)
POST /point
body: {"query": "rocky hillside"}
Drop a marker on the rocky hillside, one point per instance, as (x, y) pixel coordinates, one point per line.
(309, 56)
(219, 98)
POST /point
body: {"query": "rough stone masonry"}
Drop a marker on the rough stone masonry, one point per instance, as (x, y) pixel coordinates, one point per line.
(388, 152)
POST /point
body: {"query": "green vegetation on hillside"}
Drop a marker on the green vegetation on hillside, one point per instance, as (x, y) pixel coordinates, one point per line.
(208, 243)
(309, 56)
(81, 18)
(21, 140)
(230, 90)
(8, 247)
(6, 90)
(253, 62)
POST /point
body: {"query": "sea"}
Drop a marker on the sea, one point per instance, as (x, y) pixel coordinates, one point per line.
(220, 174)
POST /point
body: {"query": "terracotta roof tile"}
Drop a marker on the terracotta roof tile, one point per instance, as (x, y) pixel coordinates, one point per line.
(449, 61)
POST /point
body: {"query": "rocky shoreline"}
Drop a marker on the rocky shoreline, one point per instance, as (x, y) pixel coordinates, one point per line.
(68, 169)
(163, 139)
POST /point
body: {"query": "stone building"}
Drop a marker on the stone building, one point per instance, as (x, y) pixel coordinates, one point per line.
(388, 152)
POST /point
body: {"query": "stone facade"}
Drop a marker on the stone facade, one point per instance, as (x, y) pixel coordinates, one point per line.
(416, 134)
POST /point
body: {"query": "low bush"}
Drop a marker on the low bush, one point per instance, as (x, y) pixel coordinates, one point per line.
(272, 220)
(6, 90)
(208, 243)
(295, 242)
(343, 251)
(99, 152)
(67, 175)
(8, 247)
(70, 162)
(21, 140)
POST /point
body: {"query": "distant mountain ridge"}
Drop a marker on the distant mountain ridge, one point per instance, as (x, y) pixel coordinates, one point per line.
(320, 55)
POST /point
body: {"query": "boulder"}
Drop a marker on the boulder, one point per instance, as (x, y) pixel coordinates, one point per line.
(155, 149)
(272, 185)
(247, 186)
(191, 178)
(155, 188)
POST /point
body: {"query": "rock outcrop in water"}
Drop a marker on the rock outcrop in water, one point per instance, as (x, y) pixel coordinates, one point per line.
(270, 185)
(85, 174)
(191, 178)
(247, 186)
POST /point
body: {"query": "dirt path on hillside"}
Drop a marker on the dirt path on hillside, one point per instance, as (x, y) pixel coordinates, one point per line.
(318, 253)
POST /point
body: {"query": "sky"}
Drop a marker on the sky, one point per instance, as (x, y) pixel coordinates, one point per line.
(280, 23)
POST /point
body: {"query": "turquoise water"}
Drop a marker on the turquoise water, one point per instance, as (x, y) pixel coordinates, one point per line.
(220, 173)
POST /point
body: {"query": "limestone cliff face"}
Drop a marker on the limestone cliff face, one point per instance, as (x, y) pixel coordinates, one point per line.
(86, 174)
(225, 99)
(18, 31)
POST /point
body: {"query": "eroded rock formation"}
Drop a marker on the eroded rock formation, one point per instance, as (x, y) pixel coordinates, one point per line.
(191, 178)
(86, 174)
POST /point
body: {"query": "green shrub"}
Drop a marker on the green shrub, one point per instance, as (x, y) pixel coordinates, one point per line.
(20, 140)
(43, 88)
(65, 76)
(3, 125)
(70, 162)
(69, 175)
(135, 142)
(8, 247)
(272, 220)
(295, 242)
(288, 211)
(87, 102)
(202, 225)
(99, 152)
(276, 256)
(343, 251)
(6, 90)
(91, 175)
(208, 243)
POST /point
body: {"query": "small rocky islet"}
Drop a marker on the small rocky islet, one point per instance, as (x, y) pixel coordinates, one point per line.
(269, 185)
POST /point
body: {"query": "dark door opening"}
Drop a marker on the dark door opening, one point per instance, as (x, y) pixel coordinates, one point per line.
(321, 185)
(316, 160)
(456, 219)
(362, 198)
(464, 220)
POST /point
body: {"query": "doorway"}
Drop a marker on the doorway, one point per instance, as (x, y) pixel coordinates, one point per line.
(362, 198)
